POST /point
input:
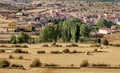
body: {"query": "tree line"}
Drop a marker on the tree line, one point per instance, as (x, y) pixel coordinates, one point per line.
(66, 31)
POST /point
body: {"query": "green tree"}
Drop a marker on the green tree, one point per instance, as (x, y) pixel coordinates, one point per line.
(23, 37)
(84, 30)
(105, 42)
(104, 23)
(13, 39)
(47, 34)
(98, 40)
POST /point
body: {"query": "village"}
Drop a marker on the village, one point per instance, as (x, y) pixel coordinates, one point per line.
(41, 14)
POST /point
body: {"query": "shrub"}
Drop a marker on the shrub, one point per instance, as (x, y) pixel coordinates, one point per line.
(20, 51)
(56, 52)
(105, 42)
(11, 57)
(20, 57)
(95, 50)
(84, 63)
(72, 45)
(66, 51)
(17, 51)
(41, 52)
(17, 66)
(74, 51)
(100, 65)
(36, 63)
(2, 51)
(51, 65)
(25, 46)
(45, 45)
(98, 40)
(4, 63)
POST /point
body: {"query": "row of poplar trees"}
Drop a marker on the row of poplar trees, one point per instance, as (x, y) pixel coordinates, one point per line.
(66, 31)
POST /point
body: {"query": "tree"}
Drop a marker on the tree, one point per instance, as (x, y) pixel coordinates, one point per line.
(23, 37)
(13, 39)
(105, 42)
(84, 30)
(104, 23)
(47, 34)
(98, 40)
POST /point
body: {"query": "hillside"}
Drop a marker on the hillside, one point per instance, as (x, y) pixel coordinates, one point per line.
(105, 0)
(16, 1)
(7, 6)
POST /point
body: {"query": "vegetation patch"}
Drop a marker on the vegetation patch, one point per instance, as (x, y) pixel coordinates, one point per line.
(36, 63)
(56, 52)
(2, 51)
(41, 52)
(72, 45)
(20, 51)
(51, 65)
(4, 63)
(45, 45)
(84, 63)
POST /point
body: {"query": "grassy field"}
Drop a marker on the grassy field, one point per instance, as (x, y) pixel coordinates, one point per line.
(110, 57)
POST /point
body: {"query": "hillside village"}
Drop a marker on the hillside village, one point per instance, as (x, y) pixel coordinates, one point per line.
(35, 19)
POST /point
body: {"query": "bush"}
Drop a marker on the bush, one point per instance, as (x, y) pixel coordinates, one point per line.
(95, 50)
(105, 42)
(66, 51)
(4, 63)
(51, 65)
(11, 57)
(36, 63)
(98, 40)
(20, 57)
(17, 51)
(41, 52)
(100, 65)
(45, 45)
(24, 46)
(20, 51)
(56, 52)
(84, 63)
(74, 51)
(72, 45)
(17, 66)
(2, 51)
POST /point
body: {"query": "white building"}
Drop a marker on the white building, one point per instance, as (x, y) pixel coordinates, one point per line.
(105, 30)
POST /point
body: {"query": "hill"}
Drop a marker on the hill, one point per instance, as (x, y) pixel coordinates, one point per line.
(105, 0)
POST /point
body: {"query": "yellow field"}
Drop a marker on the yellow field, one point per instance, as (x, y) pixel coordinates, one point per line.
(111, 57)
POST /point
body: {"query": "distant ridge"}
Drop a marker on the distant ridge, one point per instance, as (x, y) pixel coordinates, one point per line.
(16, 1)
(104, 0)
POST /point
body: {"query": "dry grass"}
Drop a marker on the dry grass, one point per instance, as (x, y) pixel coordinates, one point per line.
(111, 57)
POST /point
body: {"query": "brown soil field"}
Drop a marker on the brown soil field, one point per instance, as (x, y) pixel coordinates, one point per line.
(110, 57)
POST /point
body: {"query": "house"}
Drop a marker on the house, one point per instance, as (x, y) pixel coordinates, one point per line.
(12, 26)
(105, 30)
